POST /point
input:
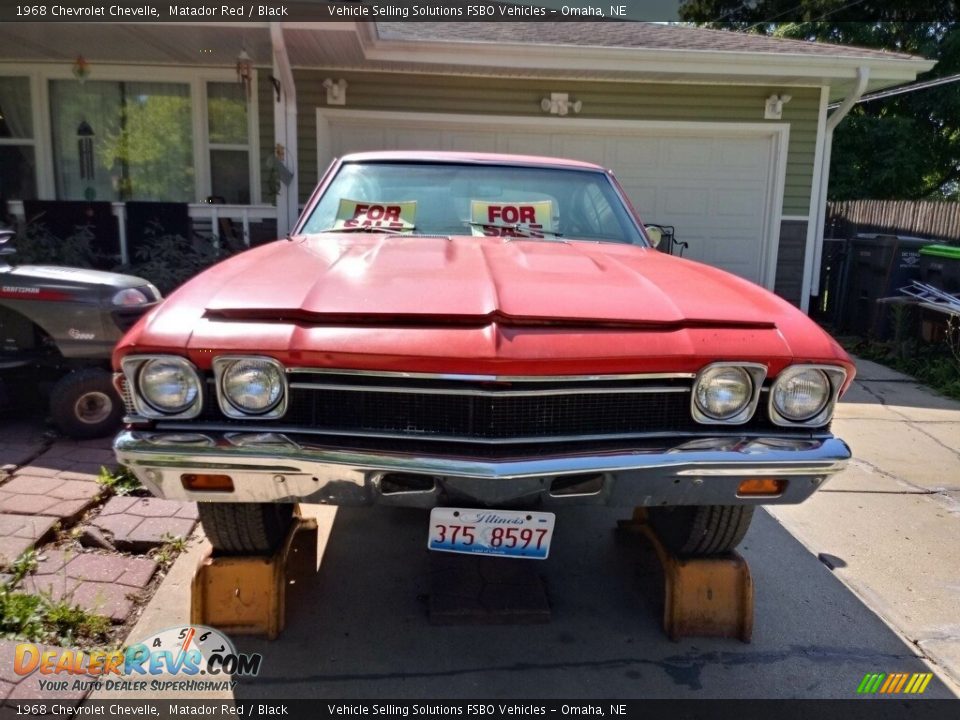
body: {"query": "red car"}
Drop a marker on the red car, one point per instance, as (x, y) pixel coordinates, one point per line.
(488, 336)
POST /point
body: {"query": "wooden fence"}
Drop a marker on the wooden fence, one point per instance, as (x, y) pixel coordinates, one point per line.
(937, 220)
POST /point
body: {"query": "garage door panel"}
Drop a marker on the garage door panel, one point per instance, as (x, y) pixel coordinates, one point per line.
(469, 141)
(527, 144)
(684, 202)
(632, 153)
(359, 139)
(579, 147)
(714, 190)
(735, 203)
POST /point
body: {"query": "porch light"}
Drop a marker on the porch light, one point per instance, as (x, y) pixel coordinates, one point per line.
(245, 71)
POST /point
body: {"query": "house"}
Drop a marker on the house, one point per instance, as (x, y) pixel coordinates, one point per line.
(724, 135)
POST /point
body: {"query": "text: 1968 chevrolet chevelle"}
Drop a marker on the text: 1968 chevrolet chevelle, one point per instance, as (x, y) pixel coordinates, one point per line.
(487, 336)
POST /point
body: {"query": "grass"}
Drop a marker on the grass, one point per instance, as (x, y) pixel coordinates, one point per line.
(936, 365)
(168, 552)
(38, 617)
(120, 481)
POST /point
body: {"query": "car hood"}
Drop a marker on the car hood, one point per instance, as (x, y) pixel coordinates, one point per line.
(466, 280)
(470, 304)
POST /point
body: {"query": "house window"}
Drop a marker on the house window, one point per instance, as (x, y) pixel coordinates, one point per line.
(229, 142)
(122, 140)
(18, 165)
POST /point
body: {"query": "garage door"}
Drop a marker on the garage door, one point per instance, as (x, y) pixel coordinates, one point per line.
(715, 185)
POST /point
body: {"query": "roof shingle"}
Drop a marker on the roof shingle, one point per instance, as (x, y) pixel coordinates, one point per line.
(621, 35)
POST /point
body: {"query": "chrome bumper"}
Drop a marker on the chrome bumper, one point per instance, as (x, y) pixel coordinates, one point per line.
(276, 468)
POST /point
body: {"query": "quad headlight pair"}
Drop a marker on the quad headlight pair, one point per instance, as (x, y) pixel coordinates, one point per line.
(169, 386)
(729, 392)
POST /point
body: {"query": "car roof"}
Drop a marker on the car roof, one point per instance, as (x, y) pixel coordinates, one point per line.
(468, 158)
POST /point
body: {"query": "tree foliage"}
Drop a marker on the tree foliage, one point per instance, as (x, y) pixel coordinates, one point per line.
(903, 147)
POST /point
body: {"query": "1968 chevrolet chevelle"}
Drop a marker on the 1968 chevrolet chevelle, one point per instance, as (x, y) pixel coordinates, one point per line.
(486, 336)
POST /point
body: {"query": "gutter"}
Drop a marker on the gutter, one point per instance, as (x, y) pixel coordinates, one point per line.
(812, 263)
(285, 131)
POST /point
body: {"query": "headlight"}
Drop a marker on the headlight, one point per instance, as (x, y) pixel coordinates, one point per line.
(251, 386)
(801, 394)
(130, 297)
(169, 385)
(727, 392)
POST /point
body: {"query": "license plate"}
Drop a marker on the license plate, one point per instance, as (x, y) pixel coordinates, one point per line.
(510, 533)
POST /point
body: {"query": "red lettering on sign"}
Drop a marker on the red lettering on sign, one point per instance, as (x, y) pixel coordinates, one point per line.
(512, 213)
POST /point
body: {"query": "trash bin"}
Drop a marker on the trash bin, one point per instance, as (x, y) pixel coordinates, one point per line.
(828, 307)
(940, 267)
(877, 266)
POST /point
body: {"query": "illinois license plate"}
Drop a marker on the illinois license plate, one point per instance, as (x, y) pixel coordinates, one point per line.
(512, 533)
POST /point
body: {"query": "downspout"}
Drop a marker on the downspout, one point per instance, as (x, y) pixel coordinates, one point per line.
(863, 77)
(285, 132)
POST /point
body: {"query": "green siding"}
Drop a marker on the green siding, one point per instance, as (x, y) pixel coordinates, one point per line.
(607, 100)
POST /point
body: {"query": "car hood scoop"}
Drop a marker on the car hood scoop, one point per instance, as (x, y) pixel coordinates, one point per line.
(464, 280)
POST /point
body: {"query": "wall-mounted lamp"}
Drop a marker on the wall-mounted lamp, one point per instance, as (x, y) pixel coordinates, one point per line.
(560, 104)
(773, 110)
(336, 91)
(245, 71)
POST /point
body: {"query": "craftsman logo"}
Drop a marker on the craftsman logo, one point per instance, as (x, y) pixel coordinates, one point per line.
(22, 290)
(894, 683)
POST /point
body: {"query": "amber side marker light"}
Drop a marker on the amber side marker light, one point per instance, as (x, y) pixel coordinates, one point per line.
(207, 483)
(762, 487)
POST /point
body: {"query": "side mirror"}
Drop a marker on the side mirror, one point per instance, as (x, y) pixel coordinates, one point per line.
(655, 234)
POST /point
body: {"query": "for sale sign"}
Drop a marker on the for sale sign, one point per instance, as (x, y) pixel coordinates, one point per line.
(375, 215)
(513, 219)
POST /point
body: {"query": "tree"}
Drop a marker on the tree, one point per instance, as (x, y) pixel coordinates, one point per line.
(903, 147)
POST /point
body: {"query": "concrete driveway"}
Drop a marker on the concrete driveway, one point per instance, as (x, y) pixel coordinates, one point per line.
(882, 596)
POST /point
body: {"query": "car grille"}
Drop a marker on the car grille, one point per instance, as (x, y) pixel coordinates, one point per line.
(461, 411)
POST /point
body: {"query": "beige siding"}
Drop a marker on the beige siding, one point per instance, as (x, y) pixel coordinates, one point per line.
(619, 101)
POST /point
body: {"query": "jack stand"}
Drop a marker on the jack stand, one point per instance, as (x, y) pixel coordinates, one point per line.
(246, 594)
(703, 597)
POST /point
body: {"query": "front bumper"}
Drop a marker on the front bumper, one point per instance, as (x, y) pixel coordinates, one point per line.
(279, 468)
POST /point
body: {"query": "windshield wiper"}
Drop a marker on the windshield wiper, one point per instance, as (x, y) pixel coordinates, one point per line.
(518, 227)
(372, 230)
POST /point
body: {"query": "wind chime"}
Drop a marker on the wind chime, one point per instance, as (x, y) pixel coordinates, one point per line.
(85, 137)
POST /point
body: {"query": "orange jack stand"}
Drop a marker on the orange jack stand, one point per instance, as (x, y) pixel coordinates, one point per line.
(703, 597)
(246, 595)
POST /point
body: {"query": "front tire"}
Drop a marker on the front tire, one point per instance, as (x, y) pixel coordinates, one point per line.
(701, 530)
(245, 528)
(84, 404)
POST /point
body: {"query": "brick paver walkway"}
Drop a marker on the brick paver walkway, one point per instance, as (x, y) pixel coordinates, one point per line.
(139, 524)
(98, 582)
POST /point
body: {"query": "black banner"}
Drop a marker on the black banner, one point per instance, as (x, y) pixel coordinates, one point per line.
(857, 709)
(737, 13)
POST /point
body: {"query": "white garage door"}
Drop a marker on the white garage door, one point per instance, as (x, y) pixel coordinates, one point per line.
(717, 185)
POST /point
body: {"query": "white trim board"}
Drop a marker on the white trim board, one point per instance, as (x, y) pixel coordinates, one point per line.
(778, 133)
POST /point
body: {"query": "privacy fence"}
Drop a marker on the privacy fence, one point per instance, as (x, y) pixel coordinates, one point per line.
(937, 220)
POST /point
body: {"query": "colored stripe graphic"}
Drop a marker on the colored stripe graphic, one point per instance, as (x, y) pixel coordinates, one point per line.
(894, 683)
(903, 680)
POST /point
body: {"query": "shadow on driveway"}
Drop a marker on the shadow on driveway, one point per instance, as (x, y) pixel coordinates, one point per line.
(359, 627)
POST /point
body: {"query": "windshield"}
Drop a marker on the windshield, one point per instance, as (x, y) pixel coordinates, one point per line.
(492, 200)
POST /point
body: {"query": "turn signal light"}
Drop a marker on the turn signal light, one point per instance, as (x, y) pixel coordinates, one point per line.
(207, 483)
(762, 487)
